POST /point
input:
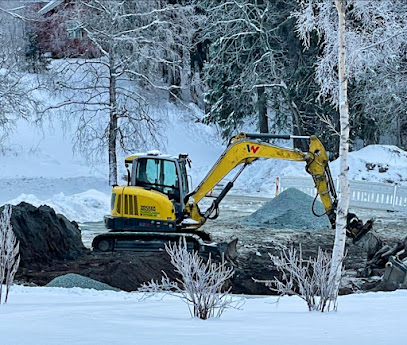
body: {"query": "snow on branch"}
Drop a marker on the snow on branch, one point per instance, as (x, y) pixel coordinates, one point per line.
(9, 252)
(201, 286)
(376, 32)
(307, 279)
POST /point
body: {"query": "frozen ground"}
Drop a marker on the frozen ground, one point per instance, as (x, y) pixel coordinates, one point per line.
(42, 316)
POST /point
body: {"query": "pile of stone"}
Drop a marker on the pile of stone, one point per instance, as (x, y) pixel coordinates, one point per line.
(291, 209)
(72, 280)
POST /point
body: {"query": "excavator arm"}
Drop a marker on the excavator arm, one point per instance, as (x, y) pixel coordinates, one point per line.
(243, 149)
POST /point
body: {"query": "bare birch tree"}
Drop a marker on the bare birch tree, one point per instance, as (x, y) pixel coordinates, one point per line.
(374, 32)
(136, 41)
(343, 200)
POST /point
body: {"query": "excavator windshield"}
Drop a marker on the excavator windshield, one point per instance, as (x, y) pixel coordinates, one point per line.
(158, 174)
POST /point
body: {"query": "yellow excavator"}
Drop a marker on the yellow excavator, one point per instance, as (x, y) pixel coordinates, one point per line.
(156, 206)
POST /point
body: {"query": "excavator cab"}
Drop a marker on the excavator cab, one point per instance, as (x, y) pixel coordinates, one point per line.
(165, 174)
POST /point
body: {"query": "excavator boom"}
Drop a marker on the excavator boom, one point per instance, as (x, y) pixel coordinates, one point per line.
(245, 148)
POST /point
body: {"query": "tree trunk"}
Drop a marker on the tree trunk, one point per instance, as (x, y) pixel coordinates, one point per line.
(343, 195)
(262, 108)
(112, 121)
(398, 126)
(175, 80)
(298, 129)
(174, 84)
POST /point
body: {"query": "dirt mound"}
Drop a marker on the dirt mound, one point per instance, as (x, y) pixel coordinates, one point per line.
(51, 246)
(291, 209)
(44, 235)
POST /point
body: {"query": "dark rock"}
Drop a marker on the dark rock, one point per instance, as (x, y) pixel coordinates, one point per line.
(370, 166)
(383, 168)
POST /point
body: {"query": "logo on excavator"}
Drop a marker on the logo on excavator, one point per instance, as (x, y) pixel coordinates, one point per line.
(252, 148)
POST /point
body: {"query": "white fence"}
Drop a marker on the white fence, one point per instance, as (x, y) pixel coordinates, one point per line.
(372, 195)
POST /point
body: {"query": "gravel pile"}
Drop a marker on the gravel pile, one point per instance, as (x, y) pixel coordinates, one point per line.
(75, 280)
(291, 209)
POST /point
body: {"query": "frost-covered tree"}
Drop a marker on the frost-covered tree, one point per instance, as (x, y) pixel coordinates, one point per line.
(305, 278)
(256, 67)
(16, 99)
(142, 46)
(378, 104)
(9, 252)
(356, 36)
(201, 284)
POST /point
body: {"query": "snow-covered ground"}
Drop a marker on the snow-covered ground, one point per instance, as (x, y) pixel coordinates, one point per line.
(42, 316)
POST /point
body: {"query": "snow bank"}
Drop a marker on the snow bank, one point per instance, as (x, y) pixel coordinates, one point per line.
(89, 206)
(260, 177)
(47, 153)
(83, 316)
(376, 163)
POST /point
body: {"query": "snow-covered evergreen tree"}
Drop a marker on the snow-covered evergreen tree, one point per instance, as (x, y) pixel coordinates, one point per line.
(244, 68)
(256, 66)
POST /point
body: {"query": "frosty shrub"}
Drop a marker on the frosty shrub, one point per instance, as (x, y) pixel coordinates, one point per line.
(201, 284)
(9, 249)
(307, 279)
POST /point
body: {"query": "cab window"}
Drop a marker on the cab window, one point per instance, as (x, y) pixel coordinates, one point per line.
(157, 174)
(184, 178)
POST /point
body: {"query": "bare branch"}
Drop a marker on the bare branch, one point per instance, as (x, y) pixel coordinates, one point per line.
(201, 284)
(307, 279)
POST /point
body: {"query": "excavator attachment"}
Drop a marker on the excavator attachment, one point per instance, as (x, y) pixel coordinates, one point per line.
(356, 229)
(395, 274)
